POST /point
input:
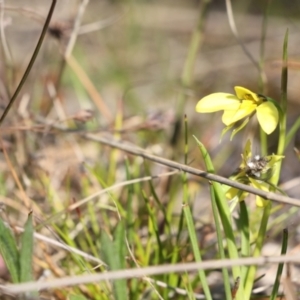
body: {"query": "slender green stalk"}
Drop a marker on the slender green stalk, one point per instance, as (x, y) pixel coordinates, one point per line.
(154, 222)
(9, 252)
(114, 153)
(189, 65)
(292, 132)
(245, 236)
(129, 206)
(283, 104)
(225, 217)
(280, 266)
(262, 76)
(195, 247)
(275, 178)
(250, 278)
(31, 62)
(221, 251)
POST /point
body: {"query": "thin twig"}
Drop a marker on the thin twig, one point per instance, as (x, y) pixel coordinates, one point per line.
(104, 191)
(90, 87)
(149, 271)
(236, 35)
(76, 28)
(32, 60)
(172, 164)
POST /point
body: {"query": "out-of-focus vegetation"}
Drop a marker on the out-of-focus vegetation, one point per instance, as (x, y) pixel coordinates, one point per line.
(134, 71)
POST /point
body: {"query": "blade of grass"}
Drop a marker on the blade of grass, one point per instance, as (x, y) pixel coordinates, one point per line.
(114, 252)
(221, 251)
(225, 215)
(175, 280)
(77, 297)
(154, 221)
(250, 277)
(245, 236)
(26, 254)
(291, 133)
(158, 202)
(26, 251)
(197, 254)
(129, 210)
(9, 252)
(280, 266)
(113, 159)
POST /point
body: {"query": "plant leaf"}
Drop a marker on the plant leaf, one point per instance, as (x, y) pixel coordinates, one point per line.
(114, 254)
(9, 252)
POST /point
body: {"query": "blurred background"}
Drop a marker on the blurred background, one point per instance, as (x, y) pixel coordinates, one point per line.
(134, 52)
(129, 62)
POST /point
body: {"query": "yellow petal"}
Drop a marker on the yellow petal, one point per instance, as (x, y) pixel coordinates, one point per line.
(233, 192)
(245, 94)
(232, 116)
(267, 115)
(247, 154)
(216, 102)
(260, 202)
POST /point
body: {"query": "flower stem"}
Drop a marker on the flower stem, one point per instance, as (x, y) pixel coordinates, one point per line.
(250, 277)
(275, 178)
(262, 76)
(283, 104)
(189, 65)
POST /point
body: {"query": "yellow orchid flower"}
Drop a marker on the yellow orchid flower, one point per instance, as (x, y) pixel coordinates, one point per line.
(251, 172)
(239, 106)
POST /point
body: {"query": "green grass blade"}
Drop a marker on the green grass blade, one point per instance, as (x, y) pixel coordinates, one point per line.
(114, 254)
(129, 210)
(77, 297)
(221, 251)
(245, 235)
(197, 254)
(250, 278)
(158, 202)
(292, 132)
(26, 251)
(154, 222)
(280, 266)
(9, 252)
(225, 216)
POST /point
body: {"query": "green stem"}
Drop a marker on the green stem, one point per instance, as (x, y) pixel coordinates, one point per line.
(195, 43)
(292, 132)
(221, 251)
(283, 104)
(275, 178)
(280, 266)
(262, 76)
(250, 278)
(32, 60)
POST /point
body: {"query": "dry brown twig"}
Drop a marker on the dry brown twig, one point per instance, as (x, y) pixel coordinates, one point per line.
(129, 148)
(148, 271)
